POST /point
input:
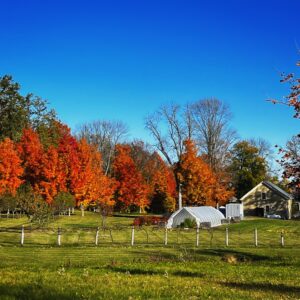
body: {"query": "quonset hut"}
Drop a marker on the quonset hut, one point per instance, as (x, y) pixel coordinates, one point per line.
(201, 214)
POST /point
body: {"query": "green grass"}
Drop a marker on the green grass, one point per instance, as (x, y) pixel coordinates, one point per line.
(115, 270)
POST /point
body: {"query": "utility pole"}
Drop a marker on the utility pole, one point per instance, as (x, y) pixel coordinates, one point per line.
(179, 197)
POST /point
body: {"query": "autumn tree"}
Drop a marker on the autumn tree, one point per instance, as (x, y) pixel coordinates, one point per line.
(163, 186)
(290, 160)
(31, 153)
(247, 167)
(10, 168)
(206, 122)
(198, 182)
(104, 135)
(131, 191)
(89, 185)
(156, 174)
(52, 177)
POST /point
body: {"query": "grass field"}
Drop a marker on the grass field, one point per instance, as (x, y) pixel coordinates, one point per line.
(115, 270)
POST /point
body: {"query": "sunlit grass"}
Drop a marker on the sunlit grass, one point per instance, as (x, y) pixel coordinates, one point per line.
(149, 270)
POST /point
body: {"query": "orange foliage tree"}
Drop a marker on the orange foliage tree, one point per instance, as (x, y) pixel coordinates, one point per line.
(10, 167)
(31, 153)
(199, 184)
(131, 191)
(91, 185)
(68, 153)
(162, 184)
(52, 175)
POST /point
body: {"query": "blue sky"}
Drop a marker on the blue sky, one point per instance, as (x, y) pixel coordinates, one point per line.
(120, 60)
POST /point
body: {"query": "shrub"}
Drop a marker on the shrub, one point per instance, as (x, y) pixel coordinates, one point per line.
(188, 223)
(149, 220)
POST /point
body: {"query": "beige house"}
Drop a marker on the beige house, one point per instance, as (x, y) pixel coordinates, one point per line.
(268, 199)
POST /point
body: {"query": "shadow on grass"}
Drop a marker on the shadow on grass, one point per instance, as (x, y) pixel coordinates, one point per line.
(139, 271)
(241, 256)
(33, 292)
(266, 287)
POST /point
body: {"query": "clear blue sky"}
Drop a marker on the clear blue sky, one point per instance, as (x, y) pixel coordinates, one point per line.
(123, 59)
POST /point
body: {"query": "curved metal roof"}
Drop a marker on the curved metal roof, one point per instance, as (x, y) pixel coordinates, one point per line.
(200, 214)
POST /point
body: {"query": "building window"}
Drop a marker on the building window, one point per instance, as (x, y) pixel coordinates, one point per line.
(267, 209)
(263, 196)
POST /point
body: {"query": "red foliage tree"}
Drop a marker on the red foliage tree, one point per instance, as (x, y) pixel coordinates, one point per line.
(31, 153)
(10, 167)
(131, 190)
(162, 184)
(52, 175)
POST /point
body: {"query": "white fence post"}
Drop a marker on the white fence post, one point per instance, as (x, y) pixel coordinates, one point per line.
(97, 236)
(69, 212)
(22, 235)
(226, 237)
(282, 239)
(166, 235)
(255, 238)
(197, 237)
(58, 236)
(132, 236)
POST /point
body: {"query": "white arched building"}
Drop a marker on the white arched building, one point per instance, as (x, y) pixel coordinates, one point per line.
(201, 214)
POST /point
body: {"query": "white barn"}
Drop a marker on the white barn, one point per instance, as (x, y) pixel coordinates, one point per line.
(201, 214)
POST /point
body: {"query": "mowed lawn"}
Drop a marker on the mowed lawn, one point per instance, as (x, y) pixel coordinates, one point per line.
(148, 270)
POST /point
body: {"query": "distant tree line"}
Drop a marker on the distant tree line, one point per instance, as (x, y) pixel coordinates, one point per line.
(45, 169)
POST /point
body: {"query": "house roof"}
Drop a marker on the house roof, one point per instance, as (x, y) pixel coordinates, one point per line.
(277, 190)
(273, 187)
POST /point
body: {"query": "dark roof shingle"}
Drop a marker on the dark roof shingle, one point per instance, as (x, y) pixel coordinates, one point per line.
(277, 190)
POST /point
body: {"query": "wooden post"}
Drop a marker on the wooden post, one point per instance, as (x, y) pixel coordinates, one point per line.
(197, 237)
(226, 237)
(132, 236)
(97, 236)
(282, 239)
(58, 236)
(166, 235)
(22, 235)
(69, 211)
(255, 238)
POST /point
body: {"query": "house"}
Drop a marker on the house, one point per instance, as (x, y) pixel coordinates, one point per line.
(268, 199)
(201, 214)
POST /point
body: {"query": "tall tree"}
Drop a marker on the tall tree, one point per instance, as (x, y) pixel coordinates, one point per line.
(212, 131)
(170, 127)
(131, 191)
(10, 168)
(31, 153)
(105, 135)
(162, 186)
(18, 112)
(52, 175)
(198, 181)
(247, 167)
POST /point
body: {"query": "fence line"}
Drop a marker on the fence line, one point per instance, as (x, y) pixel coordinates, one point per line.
(149, 235)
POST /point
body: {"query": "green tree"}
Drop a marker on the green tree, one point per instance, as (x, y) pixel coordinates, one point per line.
(247, 167)
(63, 201)
(18, 112)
